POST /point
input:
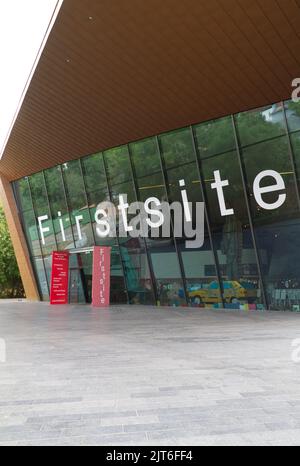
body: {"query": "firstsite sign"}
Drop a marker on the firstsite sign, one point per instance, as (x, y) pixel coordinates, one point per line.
(154, 218)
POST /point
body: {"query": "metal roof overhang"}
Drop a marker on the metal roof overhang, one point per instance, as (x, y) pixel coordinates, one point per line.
(114, 71)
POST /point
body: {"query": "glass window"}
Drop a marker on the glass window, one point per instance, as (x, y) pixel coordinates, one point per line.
(261, 124)
(23, 195)
(215, 137)
(38, 265)
(293, 115)
(177, 147)
(151, 186)
(59, 208)
(188, 173)
(277, 231)
(271, 155)
(295, 140)
(138, 279)
(97, 191)
(118, 292)
(31, 232)
(118, 165)
(231, 234)
(77, 201)
(168, 276)
(41, 209)
(145, 157)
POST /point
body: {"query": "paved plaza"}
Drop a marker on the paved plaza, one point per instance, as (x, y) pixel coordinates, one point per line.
(147, 376)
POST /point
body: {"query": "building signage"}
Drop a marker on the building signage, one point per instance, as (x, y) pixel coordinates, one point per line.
(101, 277)
(60, 278)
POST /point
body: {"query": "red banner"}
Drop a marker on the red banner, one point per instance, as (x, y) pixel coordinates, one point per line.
(60, 278)
(101, 277)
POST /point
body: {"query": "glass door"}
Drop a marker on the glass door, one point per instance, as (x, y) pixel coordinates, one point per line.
(80, 277)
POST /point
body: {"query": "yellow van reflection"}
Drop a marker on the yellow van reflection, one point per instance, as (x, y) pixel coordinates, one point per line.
(232, 290)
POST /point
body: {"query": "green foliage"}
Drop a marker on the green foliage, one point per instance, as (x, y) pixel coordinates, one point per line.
(10, 281)
(295, 107)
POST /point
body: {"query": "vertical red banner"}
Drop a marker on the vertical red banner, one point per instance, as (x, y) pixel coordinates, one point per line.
(59, 278)
(101, 277)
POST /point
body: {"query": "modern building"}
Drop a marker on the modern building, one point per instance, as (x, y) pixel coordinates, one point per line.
(132, 96)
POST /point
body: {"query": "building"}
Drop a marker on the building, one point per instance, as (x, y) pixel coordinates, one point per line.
(132, 96)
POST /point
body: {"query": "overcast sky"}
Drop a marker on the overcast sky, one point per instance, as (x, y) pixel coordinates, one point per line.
(23, 24)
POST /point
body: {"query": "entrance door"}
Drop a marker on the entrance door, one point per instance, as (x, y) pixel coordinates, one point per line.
(80, 277)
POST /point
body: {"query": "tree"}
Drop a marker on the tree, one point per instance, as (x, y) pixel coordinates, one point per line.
(10, 280)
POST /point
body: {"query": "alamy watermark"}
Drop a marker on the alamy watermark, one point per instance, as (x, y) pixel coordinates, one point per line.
(295, 355)
(2, 351)
(296, 91)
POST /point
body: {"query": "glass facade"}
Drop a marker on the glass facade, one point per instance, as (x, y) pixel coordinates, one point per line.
(250, 256)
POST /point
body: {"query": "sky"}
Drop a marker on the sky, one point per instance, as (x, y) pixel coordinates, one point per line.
(23, 25)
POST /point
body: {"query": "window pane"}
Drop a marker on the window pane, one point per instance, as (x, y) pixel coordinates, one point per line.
(215, 137)
(23, 194)
(277, 231)
(41, 208)
(57, 200)
(94, 173)
(97, 192)
(177, 147)
(118, 165)
(261, 124)
(38, 265)
(168, 277)
(138, 280)
(295, 140)
(293, 115)
(188, 173)
(82, 230)
(231, 235)
(118, 293)
(31, 232)
(145, 156)
(151, 186)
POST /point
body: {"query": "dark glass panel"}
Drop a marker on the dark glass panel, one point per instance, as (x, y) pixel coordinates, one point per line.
(215, 137)
(118, 165)
(293, 115)
(94, 172)
(118, 294)
(23, 195)
(31, 232)
(277, 231)
(168, 276)
(231, 234)
(38, 265)
(177, 147)
(77, 201)
(151, 186)
(145, 157)
(261, 124)
(295, 140)
(59, 208)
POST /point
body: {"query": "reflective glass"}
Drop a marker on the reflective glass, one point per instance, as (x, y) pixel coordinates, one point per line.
(214, 137)
(293, 115)
(231, 233)
(77, 202)
(38, 264)
(117, 164)
(278, 230)
(260, 124)
(177, 147)
(59, 209)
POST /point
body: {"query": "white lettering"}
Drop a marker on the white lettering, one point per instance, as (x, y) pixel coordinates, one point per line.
(279, 186)
(219, 185)
(43, 230)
